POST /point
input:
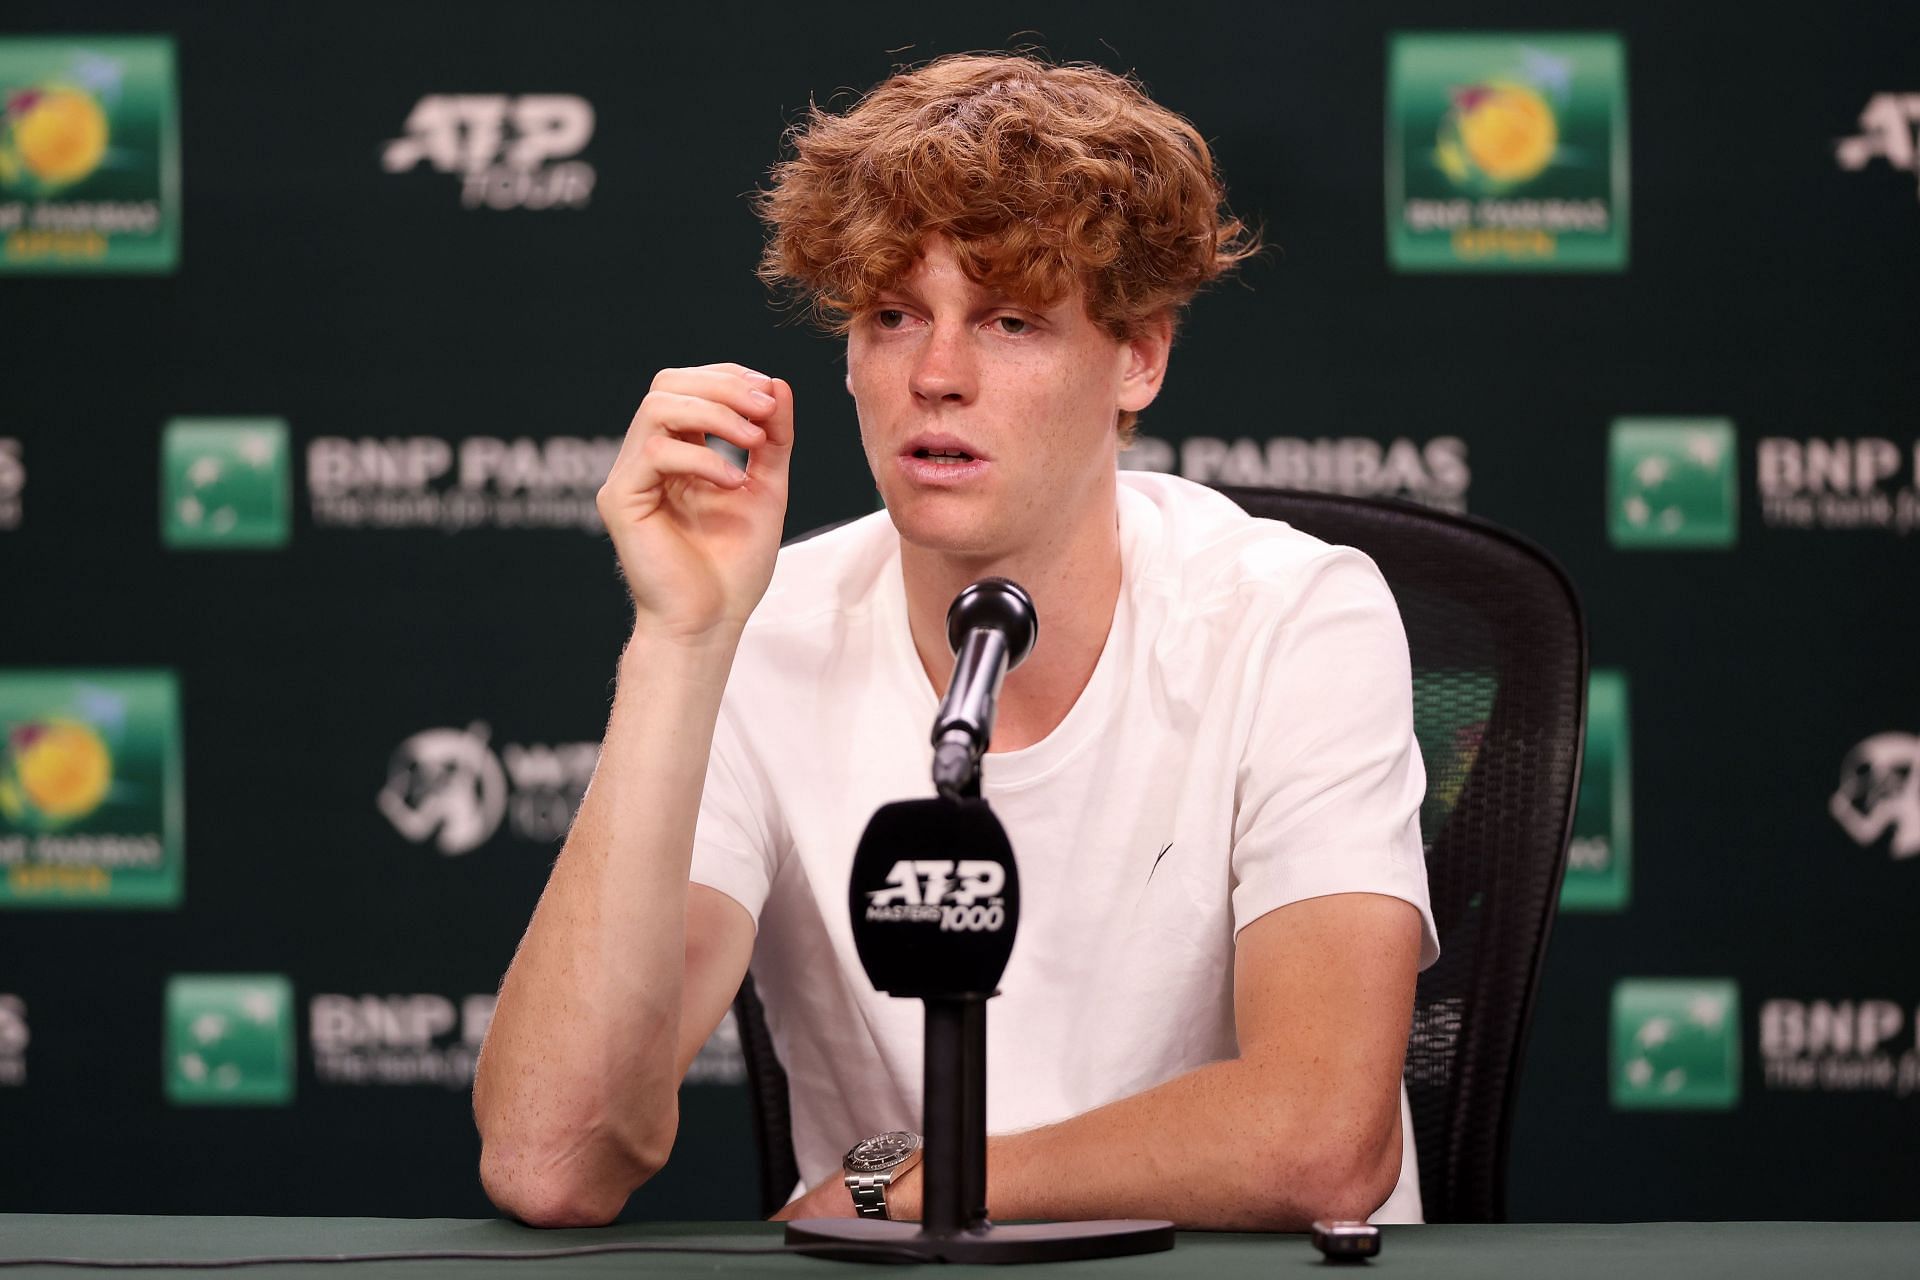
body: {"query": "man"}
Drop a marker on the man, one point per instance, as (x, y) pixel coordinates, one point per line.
(1206, 766)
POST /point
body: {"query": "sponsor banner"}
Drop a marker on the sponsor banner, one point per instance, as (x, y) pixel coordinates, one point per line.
(90, 789)
(454, 485)
(1676, 1044)
(224, 484)
(1889, 131)
(1879, 793)
(89, 155)
(452, 789)
(397, 1039)
(1844, 482)
(1673, 483)
(229, 1040)
(14, 1039)
(1506, 152)
(1432, 472)
(13, 484)
(507, 152)
(1853, 1045)
(1600, 857)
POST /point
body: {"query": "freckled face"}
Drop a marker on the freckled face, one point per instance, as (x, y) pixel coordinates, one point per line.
(989, 425)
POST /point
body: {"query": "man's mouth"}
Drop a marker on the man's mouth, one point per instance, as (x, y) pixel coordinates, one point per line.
(949, 456)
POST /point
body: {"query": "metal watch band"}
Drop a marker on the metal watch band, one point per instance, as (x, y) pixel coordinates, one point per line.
(869, 1193)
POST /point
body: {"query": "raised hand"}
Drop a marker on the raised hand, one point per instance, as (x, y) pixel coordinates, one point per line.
(696, 537)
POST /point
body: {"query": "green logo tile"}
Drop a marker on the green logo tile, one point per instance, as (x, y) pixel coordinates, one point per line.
(1672, 483)
(229, 1040)
(90, 795)
(225, 483)
(89, 155)
(1600, 860)
(1676, 1044)
(1506, 152)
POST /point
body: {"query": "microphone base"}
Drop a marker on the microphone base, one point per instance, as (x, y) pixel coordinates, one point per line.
(1019, 1242)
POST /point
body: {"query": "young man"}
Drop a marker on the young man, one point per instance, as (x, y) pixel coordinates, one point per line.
(1207, 764)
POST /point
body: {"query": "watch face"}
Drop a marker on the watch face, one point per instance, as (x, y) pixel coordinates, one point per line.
(882, 1152)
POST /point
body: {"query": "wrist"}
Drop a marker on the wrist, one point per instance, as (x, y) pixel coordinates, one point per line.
(656, 651)
(903, 1196)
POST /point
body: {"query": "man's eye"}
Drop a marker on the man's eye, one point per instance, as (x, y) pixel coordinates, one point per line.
(889, 319)
(1012, 324)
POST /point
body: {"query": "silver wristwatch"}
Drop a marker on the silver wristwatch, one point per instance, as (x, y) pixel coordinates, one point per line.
(872, 1166)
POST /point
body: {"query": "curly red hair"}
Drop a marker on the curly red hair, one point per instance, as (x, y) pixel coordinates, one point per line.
(1045, 177)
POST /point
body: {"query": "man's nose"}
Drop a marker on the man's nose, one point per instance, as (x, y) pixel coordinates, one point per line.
(944, 370)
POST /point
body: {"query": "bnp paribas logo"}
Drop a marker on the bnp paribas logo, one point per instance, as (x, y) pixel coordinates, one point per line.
(1600, 857)
(1676, 1044)
(225, 483)
(1507, 152)
(90, 795)
(89, 155)
(229, 1040)
(1673, 483)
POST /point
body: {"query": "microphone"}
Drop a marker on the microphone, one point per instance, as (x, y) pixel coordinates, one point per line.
(991, 628)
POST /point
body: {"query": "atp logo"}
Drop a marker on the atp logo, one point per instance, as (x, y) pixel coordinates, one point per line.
(510, 153)
(1879, 791)
(1889, 130)
(962, 895)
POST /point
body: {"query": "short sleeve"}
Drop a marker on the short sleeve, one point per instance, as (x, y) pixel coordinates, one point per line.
(734, 848)
(1329, 787)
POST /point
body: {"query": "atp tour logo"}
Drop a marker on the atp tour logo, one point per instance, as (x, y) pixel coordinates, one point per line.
(1889, 130)
(1879, 792)
(449, 787)
(510, 153)
(963, 896)
(13, 484)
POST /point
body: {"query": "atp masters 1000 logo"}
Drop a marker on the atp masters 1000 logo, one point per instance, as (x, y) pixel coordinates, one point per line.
(90, 789)
(1507, 152)
(89, 155)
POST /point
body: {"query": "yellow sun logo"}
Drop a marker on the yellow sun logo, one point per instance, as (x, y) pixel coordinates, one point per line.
(1500, 132)
(56, 770)
(56, 133)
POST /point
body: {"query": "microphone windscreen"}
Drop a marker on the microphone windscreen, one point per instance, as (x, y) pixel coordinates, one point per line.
(999, 603)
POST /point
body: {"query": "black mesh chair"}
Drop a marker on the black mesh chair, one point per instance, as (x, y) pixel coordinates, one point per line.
(1499, 694)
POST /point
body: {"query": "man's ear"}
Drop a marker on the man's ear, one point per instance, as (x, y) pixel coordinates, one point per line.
(849, 381)
(1145, 366)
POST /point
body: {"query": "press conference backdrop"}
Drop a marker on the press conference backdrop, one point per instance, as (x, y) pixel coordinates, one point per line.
(324, 321)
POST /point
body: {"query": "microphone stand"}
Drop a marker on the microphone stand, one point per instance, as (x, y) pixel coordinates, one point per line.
(955, 971)
(953, 1172)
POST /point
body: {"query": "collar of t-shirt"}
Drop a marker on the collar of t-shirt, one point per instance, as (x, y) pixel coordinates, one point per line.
(1091, 711)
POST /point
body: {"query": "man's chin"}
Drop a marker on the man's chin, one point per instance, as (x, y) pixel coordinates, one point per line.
(948, 529)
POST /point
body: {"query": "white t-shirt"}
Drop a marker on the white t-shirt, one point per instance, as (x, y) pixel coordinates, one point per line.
(1245, 741)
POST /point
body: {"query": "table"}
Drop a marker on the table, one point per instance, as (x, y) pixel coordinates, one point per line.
(1633, 1251)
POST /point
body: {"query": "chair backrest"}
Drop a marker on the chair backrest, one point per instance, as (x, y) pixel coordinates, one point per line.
(1499, 651)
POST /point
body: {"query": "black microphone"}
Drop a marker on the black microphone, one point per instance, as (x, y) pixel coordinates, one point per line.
(991, 628)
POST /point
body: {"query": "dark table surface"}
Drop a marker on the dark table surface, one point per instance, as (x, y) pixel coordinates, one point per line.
(1631, 1251)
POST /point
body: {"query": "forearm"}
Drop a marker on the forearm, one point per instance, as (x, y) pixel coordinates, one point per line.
(576, 1090)
(1218, 1148)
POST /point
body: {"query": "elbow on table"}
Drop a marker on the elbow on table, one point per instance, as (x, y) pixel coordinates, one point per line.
(1336, 1180)
(566, 1191)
